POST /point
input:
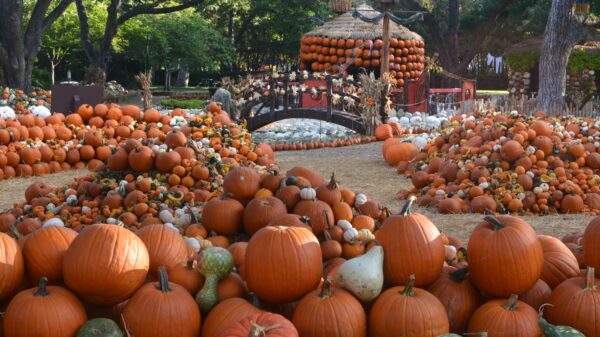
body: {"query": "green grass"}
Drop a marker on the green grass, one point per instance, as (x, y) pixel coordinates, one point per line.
(492, 92)
(180, 89)
(183, 104)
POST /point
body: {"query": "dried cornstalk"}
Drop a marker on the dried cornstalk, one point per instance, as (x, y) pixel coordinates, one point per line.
(372, 92)
(145, 79)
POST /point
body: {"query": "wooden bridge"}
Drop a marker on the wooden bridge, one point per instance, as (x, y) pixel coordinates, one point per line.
(330, 100)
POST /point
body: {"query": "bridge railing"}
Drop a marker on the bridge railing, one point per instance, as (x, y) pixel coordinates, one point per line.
(284, 93)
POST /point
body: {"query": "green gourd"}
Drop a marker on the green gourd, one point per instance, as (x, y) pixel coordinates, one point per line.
(215, 263)
(100, 327)
(556, 330)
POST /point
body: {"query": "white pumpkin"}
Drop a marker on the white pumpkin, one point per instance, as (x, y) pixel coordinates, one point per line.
(193, 243)
(350, 234)
(57, 222)
(344, 224)
(7, 112)
(41, 111)
(308, 193)
(360, 199)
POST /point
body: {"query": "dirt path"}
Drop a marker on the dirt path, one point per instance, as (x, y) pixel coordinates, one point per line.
(362, 169)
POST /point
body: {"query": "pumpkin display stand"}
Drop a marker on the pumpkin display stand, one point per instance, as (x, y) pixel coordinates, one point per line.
(348, 44)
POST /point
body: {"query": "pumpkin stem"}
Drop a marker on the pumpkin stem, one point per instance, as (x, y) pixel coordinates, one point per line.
(406, 208)
(541, 309)
(459, 275)
(494, 222)
(327, 235)
(325, 214)
(42, 291)
(590, 279)
(332, 183)
(163, 280)
(511, 304)
(190, 262)
(305, 220)
(326, 288)
(408, 288)
(15, 231)
(258, 331)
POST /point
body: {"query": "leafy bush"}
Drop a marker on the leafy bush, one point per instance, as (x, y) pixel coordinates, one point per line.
(183, 104)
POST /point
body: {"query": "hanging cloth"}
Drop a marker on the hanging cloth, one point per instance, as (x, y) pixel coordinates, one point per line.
(490, 59)
(498, 64)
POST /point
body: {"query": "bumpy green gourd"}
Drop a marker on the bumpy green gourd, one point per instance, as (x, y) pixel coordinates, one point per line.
(215, 263)
(556, 330)
(100, 327)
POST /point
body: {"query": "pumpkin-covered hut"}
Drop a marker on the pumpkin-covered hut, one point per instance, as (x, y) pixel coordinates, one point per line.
(348, 43)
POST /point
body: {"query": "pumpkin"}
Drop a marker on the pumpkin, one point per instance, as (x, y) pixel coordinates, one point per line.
(511, 151)
(165, 247)
(166, 161)
(506, 318)
(571, 203)
(458, 295)
(44, 250)
(412, 245)
(260, 212)
(290, 195)
(319, 213)
(37, 312)
(105, 264)
(118, 161)
(589, 243)
(576, 303)
(560, 263)
(263, 324)
(505, 256)
(225, 314)
(215, 264)
(141, 159)
(12, 266)
(242, 183)
(383, 132)
(291, 253)
(329, 193)
(232, 286)
(537, 295)
(330, 311)
(407, 311)
(100, 327)
(162, 309)
(313, 177)
(396, 153)
(187, 276)
(550, 330)
(223, 215)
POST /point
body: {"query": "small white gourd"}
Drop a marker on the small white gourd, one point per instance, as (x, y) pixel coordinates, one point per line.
(350, 234)
(360, 199)
(54, 222)
(193, 243)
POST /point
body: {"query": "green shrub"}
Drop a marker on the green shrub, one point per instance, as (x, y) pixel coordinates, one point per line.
(183, 104)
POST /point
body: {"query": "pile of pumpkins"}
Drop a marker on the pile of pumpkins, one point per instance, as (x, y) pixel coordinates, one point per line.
(32, 145)
(506, 163)
(20, 101)
(291, 254)
(320, 145)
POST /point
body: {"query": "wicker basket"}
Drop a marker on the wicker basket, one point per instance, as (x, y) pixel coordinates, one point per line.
(340, 6)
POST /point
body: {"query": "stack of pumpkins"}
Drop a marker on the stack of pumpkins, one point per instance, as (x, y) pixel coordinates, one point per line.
(319, 145)
(296, 255)
(321, 53)
(493, 162)
(35, 146)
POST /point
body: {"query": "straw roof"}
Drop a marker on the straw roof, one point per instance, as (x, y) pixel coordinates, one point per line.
(347, 27)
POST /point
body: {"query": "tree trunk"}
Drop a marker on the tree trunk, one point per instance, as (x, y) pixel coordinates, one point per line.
(52, 71)
(561, 35)
(183, 76)
(167, 79)
(12, 49)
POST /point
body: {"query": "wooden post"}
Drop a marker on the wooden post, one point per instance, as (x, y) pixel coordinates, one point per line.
(329, 82)
(385, 63)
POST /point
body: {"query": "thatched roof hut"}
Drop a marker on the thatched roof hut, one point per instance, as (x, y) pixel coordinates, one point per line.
(346, 26)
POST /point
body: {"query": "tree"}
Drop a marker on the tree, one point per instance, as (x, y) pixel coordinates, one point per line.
(563, 32)
(443, 20)
(20, 41)
(183, 40)
(61, 39)
(118, 13)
